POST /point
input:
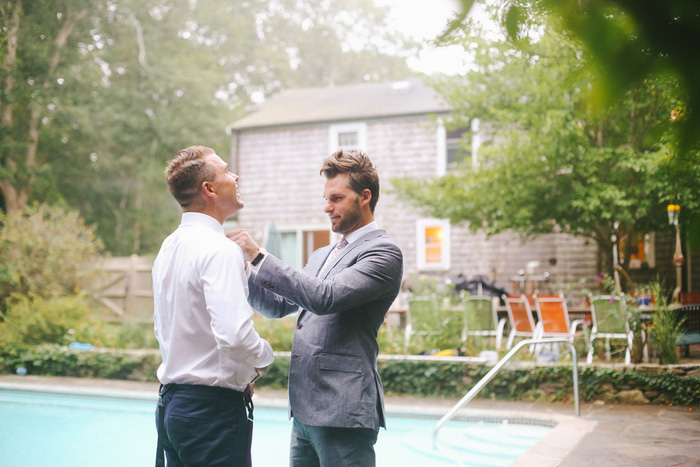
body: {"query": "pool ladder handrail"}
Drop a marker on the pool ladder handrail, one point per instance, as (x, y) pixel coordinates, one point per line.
(494, 371)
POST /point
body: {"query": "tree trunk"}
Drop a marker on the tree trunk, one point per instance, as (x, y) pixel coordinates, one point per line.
(14, 198)
(604, 255)
(16, 191)
(8, 65)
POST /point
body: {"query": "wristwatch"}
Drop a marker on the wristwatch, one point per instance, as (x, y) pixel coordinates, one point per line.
(261, 254)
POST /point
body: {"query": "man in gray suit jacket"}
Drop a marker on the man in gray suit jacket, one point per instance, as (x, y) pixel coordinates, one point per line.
(343, 294)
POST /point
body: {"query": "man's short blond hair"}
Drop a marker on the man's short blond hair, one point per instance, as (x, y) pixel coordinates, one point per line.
(186, 172)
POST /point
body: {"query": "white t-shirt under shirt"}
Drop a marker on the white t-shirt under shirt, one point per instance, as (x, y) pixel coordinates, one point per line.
(202, 318)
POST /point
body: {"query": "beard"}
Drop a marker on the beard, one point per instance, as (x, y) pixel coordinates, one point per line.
(349, 221)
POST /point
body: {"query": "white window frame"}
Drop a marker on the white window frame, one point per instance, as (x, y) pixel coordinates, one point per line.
(441, 138)
(441, 149)
(422, 263)
(334, 130)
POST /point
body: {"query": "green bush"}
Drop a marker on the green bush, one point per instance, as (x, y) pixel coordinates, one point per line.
(54, 360)
(31, 321)
(278, 332)
(46, 252)
(666, 327)
(551, 383)
(128, 335)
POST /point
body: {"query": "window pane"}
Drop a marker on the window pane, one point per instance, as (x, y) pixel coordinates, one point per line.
(348, 139)
(455, 153)
(433, 245)
(288, 248)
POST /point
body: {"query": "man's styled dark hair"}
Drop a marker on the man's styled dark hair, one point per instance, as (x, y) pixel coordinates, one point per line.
(362, 174)
(186, 172)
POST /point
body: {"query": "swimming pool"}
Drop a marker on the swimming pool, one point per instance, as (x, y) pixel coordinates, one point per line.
(62, 428)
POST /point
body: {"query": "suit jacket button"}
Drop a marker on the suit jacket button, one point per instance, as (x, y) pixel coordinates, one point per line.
(298, 325)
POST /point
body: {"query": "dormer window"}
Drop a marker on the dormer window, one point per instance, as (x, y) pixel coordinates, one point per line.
(347, 136)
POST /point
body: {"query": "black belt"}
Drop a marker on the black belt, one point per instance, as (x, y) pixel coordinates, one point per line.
(204, 390)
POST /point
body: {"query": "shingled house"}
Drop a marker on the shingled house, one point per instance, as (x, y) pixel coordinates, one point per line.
(277, 151)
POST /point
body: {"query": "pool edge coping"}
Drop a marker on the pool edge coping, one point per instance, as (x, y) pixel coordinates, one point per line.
(567, 432)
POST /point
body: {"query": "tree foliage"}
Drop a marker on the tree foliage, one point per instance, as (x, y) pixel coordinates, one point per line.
(46, 252)
(555, 163)
(40, 40)
(97, 94)
(627, 42)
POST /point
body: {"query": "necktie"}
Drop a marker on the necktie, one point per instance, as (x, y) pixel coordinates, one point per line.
(341, 244)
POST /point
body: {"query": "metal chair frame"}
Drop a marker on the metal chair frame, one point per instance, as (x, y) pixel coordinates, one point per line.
(597, 320)
(497, 326)
(553, 318)
(519, 317)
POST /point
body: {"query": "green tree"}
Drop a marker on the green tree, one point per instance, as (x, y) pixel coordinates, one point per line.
(92, 122)
(628, 41)
(40, 42)
(553, 162)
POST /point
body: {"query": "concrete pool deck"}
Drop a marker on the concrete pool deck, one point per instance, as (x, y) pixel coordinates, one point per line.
(604, 435)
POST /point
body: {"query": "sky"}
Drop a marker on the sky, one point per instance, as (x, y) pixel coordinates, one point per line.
(424, 20)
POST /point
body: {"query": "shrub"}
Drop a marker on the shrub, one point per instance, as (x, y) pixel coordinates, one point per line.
(128, 335)
(400, 377)
(34, 320)
(54, 360)
(666, 327)
(46, 252)
(278, 332)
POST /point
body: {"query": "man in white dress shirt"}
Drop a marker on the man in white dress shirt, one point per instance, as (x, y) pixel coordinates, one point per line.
(211, 352)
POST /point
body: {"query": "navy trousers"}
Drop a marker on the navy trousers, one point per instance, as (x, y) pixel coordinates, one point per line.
(205, 426)
(321, 446)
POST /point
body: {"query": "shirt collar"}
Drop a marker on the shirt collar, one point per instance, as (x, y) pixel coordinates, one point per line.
(355, 235)
(198, 218)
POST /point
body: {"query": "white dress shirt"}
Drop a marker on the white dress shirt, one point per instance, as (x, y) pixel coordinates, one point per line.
(202, 318)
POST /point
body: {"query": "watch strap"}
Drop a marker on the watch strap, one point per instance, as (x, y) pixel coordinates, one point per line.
(259, 257)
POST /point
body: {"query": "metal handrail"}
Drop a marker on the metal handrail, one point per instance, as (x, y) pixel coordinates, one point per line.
(491, 374)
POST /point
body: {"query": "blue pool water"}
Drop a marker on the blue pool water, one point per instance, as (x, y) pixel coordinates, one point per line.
(68, 429)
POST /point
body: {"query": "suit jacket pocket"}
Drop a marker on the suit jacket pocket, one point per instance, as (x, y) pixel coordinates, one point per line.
(337, 362)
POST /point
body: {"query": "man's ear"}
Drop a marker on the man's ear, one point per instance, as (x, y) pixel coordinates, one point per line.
(365, 197)
(208, 190)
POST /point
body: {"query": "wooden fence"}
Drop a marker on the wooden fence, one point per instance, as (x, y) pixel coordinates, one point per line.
(125, 287)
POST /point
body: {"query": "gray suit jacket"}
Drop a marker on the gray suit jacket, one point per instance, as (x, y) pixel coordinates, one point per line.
(333, 378)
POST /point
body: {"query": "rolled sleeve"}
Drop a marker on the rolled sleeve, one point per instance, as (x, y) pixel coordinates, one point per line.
(226, 291)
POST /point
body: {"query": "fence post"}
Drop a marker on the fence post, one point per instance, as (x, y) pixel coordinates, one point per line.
(131, 284)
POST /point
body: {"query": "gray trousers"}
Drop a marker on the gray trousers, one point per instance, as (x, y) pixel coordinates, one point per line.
(319, 446)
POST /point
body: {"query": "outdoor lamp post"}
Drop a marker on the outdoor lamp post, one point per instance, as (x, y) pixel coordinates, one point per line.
(673, 211)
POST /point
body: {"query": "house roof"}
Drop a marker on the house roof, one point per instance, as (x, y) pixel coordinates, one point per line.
(343, 103)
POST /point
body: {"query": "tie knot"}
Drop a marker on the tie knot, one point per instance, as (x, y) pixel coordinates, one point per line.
(342, 244)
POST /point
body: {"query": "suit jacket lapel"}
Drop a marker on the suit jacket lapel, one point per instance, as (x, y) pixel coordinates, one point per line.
(315, 268)
(347, 249)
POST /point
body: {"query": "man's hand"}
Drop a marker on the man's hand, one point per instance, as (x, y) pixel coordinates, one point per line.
(243, 239)
(260, 372)
(251, 385)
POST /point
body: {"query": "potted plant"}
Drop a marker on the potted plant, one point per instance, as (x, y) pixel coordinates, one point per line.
(666, 327)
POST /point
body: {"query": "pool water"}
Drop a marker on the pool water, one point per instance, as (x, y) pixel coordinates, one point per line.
(69, 429)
